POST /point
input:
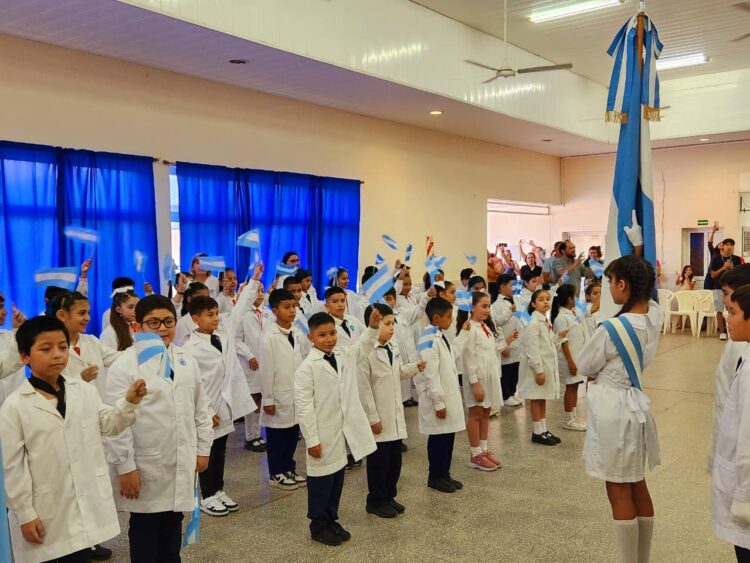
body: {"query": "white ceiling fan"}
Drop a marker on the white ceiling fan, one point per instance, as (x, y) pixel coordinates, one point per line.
(505, 70)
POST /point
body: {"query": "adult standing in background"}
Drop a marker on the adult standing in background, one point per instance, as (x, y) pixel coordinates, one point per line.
(551, 264)
(291, 258)
(494, 269)
(708, 281)
(721, 263)
(570, 268)
(531, 266)
(595, 261)
(204, 276)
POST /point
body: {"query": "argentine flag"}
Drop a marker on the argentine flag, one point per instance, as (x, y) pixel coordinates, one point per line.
(409, 250)
(377, 286)
(427, 338)
(58, 277)
(463, 300)
(193, 530)
(213, 263)
(285, 270)
(524, 317)
(470, 258)
(434, 264)
(633, 101)
(149, 345)
(139, 261)
(170, 268)
(79, 234)
(390, 242)
(517, 286)
(250, 239)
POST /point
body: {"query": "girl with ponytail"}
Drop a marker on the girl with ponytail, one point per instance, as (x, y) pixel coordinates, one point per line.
(119, 334)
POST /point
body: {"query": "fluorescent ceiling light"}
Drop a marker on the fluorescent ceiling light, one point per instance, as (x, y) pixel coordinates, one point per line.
(704, 139)
(572, 9)
(436, 112)
(679, 62)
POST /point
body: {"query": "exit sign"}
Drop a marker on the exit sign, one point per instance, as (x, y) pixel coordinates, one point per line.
(703, 222)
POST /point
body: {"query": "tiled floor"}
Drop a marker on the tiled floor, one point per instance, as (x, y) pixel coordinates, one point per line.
(539, 507)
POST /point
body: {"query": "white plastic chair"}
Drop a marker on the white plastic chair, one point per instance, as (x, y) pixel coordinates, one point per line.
(707, 312)
(665, 302)
(687, 307)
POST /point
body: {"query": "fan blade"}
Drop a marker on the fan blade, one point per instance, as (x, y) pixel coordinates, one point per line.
(565, 66)
(491, 79)
(740, 38)
(742, 6)
(475, 63)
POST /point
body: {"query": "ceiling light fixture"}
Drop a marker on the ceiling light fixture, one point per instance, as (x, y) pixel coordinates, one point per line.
(679, 62)
(436, 112)
(547, 140)
(238, 61)
(572, 9)
(704, 139)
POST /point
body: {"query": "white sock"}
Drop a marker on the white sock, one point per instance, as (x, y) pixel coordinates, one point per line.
(626, 538)
(645, 533)
(544, 424)
(475, 451)
(483, 445)
(252, 426)
(538, 428)
(570, 415)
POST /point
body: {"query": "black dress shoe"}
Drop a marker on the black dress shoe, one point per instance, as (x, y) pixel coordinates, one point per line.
(456, 483)
(410, 403)
(255, 445)
(555, 438)
(100, 553)
(404, 448)
(400, 508)
(383, 511)
(327, 536)
(442, 485)
(543, 439)
(339, 530)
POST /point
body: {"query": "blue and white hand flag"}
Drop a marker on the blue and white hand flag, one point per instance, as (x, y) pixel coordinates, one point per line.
(301, 323)
(331, 274)
(170, 268)
(139, 261)
(596, 267)
(517, 286)
(427, 338)
(82, 235)
(471, 258)
(193, 529)
(390, 242)
(524, 317)
(463, 300)
(379, 260)
(433, 265)
(213, 263)
(5, 551)
(409, 250)
(285, 270)
(377, 286)
(149, 345)
(250, 239)
(581, 309)
(67, 278)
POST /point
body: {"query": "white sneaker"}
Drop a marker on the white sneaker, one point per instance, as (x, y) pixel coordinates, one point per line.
(512, 401)
(723, 336)
(213, 507)
(575, 424)
(299, 479)
(283, 482)
(224, 499)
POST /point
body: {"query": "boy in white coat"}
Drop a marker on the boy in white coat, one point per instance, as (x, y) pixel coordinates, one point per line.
(225, 384)
(281, 355)
(331, 418)
(310, 302)
(348, 327)
(153, 463)
(441, 412)
(57, 487)
(503, 315)
(379, 379)
(11, 366)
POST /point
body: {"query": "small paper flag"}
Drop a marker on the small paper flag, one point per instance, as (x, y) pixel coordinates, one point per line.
(85, 236)
(250, 239)
(390, 242)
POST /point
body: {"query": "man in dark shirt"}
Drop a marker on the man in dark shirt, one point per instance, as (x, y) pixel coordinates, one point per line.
(720, 264)
(708, 281)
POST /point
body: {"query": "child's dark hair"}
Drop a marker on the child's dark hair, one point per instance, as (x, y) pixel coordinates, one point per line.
(474, 280)
(728, 241)
(51, 292)
(65, 302)
(437, 306)
(740, 296)
(427, 279)
(197, 258)
(121, 328)
(591, 287)
(565, 293)
(466, 274)
(505, 279)
(122, 281)
(287, 256)
(290, 280)
(223, 274)
(368, 273)
(534, 296)
(333, 290)
(279, 295)
(684, 269)
(736, 277)
(191, 290)
(302, 274)
(446, 285)
(202, 303)
(527, 276)
(391, 293)
(2, 299)
(28, 332)
(152, 303)
(320, 319)
(339, 272)
(384, 310)
(463, 316)
(638, 273)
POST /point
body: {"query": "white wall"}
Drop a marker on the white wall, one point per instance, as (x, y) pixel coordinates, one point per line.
(417, 182)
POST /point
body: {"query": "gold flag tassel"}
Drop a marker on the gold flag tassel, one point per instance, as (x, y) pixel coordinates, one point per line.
(616, 117)
(651, 114)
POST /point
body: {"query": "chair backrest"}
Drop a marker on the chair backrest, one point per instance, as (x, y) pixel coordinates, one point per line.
(665, 298)
(706, 303)
(687, 300)
(705, 293)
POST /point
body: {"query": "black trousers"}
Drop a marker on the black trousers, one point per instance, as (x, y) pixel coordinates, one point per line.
(212, 479)
(743, 555)
(323, 497)
(155, 537)
(82, 556)
(509, 381)
(439, 455)
(383, 471)
(281, 443)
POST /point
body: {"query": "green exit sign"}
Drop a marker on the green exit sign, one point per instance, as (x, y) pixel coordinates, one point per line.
(703, 222)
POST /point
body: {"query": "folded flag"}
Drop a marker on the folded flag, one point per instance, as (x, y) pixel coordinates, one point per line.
(377, 286)
(213, 263)
(170, 268)
(390, 242)
(379, 260)
(67, 278)
(139, 261)
(470, 258)
(427, 338)
(149, 345)
(80, 234)
(524, 317)
(463, 300)
(285, 269)
(409, 249)
(193, 530)
(250, 239)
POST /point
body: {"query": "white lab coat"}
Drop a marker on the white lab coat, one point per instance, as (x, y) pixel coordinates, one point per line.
(354, 307)
(55, 468)
(621, 435)
(173, 427)
(329, 410)
(212, 283)
(247, 342)
(109, 338)
(504, 318)
(725, 374)
(567, 320)
(226, 304)
(379, 385)
(10, 359)
(314, 304)
(438, 387)
(93, 353)
(591, 321)
(540, 345)
(280, 361)
(730, 478)
(185, 327)
(356, 329)
(481, 364)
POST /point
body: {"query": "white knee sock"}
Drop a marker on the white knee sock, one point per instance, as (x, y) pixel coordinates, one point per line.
(252, 426)
(645, 533)
(544, 424)
(483, 445)
(538, 428)
(626, 539)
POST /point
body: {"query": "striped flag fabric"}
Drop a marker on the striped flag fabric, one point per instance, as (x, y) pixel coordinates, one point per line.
(139, 261)
(517, 286)
(193, 529)
(213, 263)
(377, 286)
(331, 273)
(581, 309)
(170, 268)
(390, 242)
(67, 278)
(5, 551)
(149, 345)
(285, 270)
(434, 264)
(81, 234)
(523, 316)
(379, 260)
(470, 258)
(250, 239)
(409, 250)
(301, 324)
(427, 338)
(463, 300)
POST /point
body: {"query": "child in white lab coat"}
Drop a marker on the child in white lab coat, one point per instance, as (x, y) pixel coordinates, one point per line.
(11, 368)
(530, 284)
(539, 379)
(441, 412)
(226, 387)
(353, 307)
(481, 371)
(503, 315)
(331, 418)
(730, 493)
(348, 326)
(310, 302)
(621, 436)
(228, 291)
(153, 463)
(280, 356)
(185, 324)
(563, 317)
(51, 428)
(118, 334)
(593, 303)
(304, 311)
(119, 285)
(379, 382)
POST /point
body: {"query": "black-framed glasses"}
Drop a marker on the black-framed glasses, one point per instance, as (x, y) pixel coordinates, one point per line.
(154, 323)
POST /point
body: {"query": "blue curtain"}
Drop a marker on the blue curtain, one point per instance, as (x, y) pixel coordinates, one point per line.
(113, 194)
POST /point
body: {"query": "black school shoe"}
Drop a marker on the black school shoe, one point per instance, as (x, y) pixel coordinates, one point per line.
(456, 483)
(555, 438)
(327, 536)
(257, 445)
(410, 403)
(404, 448)
(100, 553)
(400, 508)
(543, 439)
(351, 464)
(442, 485)
(339, 530)
(383, 511)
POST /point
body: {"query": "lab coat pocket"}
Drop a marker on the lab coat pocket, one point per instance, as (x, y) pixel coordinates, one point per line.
(148, 463)
(44, 502)
(104, 483)
(724, 477)
(91, 434)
